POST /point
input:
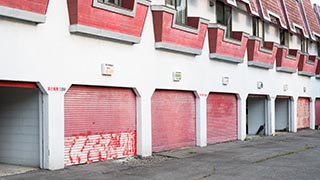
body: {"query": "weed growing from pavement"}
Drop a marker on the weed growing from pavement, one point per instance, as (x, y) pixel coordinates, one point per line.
(192, 152)
(212, 172)
(305, 148)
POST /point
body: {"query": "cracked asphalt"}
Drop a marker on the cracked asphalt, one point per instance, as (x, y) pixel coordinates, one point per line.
(294, 156)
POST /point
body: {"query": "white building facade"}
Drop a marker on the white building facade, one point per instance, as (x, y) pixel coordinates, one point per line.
(91, 80)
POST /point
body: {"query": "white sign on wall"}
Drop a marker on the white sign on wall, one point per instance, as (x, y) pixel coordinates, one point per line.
(107, 69)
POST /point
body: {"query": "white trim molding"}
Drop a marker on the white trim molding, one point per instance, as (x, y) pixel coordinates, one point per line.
(178, 48)
(82, 29)
(22, 14)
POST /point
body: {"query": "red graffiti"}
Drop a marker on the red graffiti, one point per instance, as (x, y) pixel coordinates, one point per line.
(92, 148)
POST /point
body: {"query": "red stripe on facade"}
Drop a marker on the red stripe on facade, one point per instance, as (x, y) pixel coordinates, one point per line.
(18, 84)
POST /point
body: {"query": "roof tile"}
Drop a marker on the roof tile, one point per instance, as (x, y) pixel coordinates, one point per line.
(294, 15)
(311, 18)
(273, 7)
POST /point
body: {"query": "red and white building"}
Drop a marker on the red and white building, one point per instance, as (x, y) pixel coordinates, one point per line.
(90, 80)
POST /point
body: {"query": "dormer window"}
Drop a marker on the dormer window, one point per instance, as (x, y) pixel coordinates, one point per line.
(181, 7)
(115, 2)
(273, 19)
(224, 16)
(258, 27)
(284, 37)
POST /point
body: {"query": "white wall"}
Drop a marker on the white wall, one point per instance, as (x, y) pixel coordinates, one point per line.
(313, 49)
(272, 33)
(206, 12)
(241, 21)
(294, 41)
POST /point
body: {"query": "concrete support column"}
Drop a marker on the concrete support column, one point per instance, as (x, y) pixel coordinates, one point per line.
(272, 116)
(294, 114)
(144, 123)
(53, 129)
(201, 119)
(242, 116)
(312, 113)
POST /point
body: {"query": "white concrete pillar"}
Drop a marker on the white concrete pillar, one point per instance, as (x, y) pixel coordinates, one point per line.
(294, 109)
(272, 116)
(201, 118)
(242, 116)
(144, 123)
(53, 130)
(312, 113)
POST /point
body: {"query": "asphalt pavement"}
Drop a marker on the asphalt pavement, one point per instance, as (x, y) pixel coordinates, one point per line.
(290, 156)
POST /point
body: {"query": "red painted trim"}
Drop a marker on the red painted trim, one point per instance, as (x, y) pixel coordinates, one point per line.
(307, 67)
(255, 54)
(257, 96)
(36, 6)
(283, 97)
(165, 32)
(83, 13)
(217, 43)
(283, 61)
(18, 84)
(318, 67)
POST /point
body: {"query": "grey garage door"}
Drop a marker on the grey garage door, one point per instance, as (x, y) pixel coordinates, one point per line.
(19, 126)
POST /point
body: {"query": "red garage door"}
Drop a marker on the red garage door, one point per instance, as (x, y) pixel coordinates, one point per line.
(100, 123)
(317, 110)
(222, 118)
(173, 120)
(303, 113)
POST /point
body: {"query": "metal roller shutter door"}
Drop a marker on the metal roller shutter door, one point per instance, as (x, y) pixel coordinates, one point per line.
(222, 118)
(19, 125)
(303, 113)
(317, 112)
(173, 119)
(100, 124)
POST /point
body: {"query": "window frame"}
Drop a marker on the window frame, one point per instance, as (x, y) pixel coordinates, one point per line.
(258, 27)
(304, 44)
(181, 15)
(285, 40)
(226, 20)
(115, 3)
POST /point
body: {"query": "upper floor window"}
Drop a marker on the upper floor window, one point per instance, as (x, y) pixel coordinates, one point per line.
(181, 7)
(304, 44)
(224, 16)
(258, 27)
(115, 2)
(284, 37)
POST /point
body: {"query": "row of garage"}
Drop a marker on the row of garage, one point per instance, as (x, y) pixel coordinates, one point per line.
(100, 122)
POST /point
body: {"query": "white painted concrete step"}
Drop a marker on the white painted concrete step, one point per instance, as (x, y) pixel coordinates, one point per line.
(7, 170)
